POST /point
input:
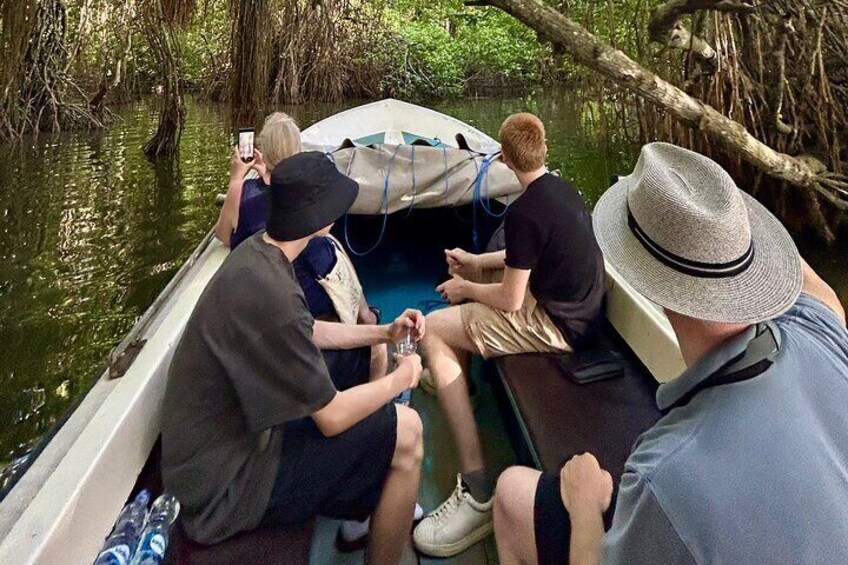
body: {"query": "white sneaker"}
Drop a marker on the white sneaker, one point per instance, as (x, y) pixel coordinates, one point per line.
(456, 525)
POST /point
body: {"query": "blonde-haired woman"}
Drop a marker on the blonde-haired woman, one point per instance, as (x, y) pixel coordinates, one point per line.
(245, 208)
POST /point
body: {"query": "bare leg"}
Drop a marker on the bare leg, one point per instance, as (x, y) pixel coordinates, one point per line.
(379, 362)
(446, 348)
(392, 519)
(515, 533)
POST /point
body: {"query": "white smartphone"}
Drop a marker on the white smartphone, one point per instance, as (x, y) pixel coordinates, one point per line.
(245, 144)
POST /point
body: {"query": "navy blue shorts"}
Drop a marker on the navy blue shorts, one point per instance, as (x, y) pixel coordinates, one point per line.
(339, 477)
(552, 523)
(348, 367)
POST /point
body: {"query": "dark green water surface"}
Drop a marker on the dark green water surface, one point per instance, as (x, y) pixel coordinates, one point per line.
(92, 231)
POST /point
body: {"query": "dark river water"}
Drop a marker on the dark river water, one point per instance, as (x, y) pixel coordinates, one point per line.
(92, 231)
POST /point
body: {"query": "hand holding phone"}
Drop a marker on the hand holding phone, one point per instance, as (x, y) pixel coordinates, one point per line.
(245, 144)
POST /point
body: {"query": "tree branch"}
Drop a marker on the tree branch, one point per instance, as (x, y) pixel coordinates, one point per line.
(595, 54)
(665, 26)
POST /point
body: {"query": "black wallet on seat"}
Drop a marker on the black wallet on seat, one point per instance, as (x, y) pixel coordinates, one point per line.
(592, 365)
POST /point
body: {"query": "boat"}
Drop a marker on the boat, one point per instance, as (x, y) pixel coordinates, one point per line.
(62, 508)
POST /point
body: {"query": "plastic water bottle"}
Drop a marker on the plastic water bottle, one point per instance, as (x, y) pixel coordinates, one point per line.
(405, 348)
(119, 546)
(154, 539)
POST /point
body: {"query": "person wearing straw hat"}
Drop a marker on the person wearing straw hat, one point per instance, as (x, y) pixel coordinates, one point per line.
(749, 463)
(254, 429)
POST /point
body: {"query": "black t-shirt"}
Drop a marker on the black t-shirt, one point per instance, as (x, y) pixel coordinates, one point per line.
(548, 230)
(245, 365)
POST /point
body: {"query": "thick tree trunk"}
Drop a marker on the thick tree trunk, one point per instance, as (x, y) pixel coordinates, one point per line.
(250, 57)
(17, 19)
(161, 35)
(595, 54)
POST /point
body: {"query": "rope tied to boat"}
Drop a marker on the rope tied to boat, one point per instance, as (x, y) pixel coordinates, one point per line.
(480, 196)
(481, 180)
(385, 212)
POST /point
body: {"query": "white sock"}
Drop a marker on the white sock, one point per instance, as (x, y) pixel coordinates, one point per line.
(353, 530)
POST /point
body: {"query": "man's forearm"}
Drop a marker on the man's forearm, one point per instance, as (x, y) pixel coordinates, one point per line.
(494, 295)
(493, 260)
(587, 533)
(334, 335)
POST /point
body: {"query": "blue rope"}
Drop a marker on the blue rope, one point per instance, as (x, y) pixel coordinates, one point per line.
(385, 213)
(445, 193)
(412, 164)
(478, 198)
(483, 178)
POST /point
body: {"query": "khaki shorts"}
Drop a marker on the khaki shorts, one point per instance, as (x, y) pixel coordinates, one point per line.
(496, 333)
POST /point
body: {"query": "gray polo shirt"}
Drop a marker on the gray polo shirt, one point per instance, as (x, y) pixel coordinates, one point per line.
(752, 472)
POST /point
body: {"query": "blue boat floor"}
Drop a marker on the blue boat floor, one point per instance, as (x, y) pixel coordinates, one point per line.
(438, 478)
(395, 277)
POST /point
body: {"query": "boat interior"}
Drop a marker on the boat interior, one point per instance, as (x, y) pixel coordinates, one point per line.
(530, 408)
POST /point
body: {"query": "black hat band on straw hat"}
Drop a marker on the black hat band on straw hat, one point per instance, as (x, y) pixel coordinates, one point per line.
(688, 266)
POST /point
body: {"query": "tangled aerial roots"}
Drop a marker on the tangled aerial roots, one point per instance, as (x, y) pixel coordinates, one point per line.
(33, 67)
(762, 89)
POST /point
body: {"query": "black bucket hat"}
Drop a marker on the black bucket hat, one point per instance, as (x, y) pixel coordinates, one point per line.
(308, 194)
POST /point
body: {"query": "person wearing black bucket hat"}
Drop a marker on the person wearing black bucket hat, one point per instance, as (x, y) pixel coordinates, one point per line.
(307, 195)
(254, 431)
(749, 462)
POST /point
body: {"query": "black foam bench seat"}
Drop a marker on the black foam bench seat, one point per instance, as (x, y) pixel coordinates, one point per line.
(289, 545)
(286, 545)
(556, 418)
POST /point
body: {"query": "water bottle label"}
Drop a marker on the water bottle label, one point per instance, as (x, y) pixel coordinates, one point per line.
(121, 553)
(158, 544)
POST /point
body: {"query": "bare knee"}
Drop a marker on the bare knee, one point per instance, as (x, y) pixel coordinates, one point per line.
(515, 489)
(513, 512)
(409, 447)
(435, 350)
(431, 339)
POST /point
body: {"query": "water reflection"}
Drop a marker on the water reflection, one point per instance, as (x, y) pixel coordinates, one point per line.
(91, 233)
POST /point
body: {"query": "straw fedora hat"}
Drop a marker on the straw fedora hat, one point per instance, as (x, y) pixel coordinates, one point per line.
(681, 233)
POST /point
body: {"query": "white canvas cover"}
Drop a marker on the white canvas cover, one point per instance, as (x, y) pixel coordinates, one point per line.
(395, 177)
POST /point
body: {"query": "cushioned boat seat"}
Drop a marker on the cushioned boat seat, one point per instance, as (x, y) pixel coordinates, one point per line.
(271, 546)
(289, 545)
(558, 418)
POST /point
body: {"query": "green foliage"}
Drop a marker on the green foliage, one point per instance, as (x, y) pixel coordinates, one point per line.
(414, 49)
(449, 50)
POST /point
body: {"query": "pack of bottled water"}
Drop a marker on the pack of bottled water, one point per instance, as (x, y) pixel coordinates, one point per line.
(140, 537)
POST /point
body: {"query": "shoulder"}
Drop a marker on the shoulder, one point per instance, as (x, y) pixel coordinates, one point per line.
(253, 183)
(670, 441)
(256, 277)
(318, 258)
(810, 321)
(643, 531)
